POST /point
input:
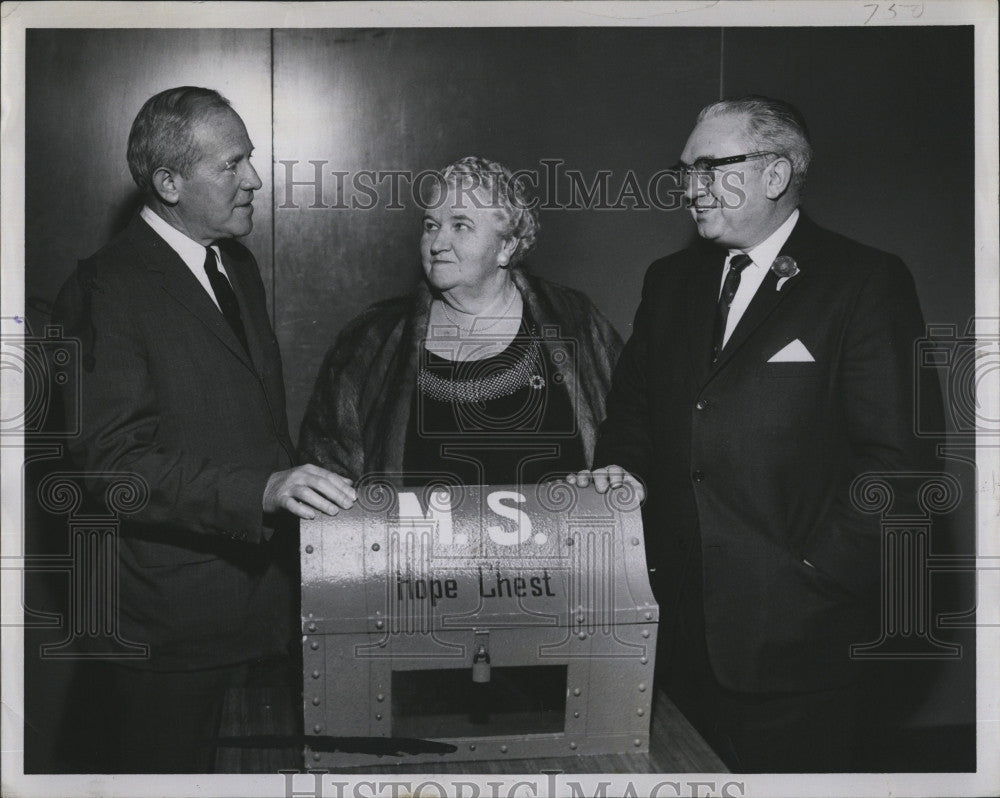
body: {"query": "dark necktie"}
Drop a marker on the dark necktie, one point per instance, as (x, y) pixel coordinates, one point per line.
(226, 297)
(737, 264)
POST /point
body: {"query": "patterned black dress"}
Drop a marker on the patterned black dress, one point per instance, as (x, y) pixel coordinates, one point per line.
(503, 420)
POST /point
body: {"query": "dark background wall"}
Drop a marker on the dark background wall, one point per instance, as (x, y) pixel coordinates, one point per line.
(891, 112)
(82, 91)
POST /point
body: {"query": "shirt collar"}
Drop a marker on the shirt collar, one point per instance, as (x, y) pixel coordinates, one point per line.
(189, 250)
(766, 251)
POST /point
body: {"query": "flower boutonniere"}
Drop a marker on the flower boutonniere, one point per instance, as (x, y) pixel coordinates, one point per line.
(785, 268)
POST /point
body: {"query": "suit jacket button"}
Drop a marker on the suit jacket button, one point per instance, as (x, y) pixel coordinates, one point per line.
(698, 476)
(701, 405)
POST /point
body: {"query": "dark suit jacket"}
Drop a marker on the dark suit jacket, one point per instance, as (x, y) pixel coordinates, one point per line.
(169, 394)
(752, 461)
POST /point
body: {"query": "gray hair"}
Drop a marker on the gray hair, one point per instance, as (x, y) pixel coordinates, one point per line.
(772, 125)
(508, 193)
(162, 134)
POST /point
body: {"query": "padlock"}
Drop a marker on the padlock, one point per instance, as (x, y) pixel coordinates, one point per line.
(481, 665)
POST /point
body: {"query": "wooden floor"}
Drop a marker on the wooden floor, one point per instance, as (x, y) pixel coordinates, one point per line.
(675, 747)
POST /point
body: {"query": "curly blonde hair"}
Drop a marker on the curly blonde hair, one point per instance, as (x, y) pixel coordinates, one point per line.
(508, 193)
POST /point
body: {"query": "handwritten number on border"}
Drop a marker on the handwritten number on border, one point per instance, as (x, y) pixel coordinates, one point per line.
(891, 11)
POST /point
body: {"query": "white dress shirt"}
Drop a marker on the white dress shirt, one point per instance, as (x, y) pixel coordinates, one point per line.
(763, 256)
(190, 251)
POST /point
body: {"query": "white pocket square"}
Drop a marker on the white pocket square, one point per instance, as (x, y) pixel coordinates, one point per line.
(795, 352)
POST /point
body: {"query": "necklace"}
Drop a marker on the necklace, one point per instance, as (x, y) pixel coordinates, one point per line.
(469, 330)
(525, 370)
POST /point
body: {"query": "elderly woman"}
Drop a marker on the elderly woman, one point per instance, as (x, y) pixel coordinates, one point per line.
(483, 374)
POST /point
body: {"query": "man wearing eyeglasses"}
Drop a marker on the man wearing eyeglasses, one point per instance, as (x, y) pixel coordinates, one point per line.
(770, 365)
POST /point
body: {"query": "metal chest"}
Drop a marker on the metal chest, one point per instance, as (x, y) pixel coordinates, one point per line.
(460, 623)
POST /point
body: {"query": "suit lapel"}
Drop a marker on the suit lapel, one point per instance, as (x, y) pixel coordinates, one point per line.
(176, 279)
(702, 297)
(259, 332)
(761, 306)
(767, 299)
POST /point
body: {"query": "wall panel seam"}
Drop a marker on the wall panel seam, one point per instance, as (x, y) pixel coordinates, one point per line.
(274, 203)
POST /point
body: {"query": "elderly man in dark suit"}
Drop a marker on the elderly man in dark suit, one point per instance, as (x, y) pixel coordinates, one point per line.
(181, 385)
(769, 366)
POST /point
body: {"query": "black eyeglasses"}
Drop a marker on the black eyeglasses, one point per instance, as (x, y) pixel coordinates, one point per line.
(704, 168)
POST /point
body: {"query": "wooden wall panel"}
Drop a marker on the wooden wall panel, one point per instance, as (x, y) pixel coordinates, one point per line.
(83, 89)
